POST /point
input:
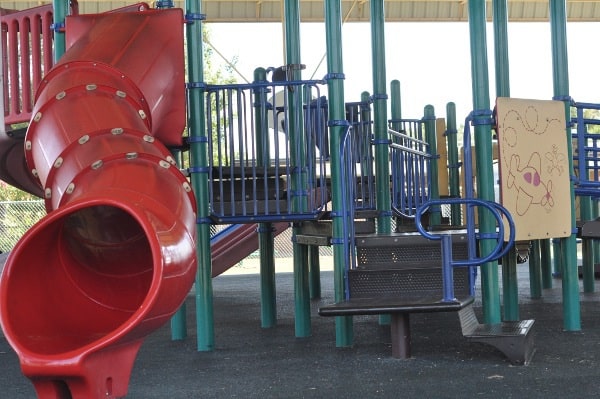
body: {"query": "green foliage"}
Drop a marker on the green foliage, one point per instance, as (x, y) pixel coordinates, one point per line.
(10, 193)
(593, 114)
(215, 76)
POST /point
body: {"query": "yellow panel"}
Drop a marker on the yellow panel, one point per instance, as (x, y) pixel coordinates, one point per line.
(534, 173)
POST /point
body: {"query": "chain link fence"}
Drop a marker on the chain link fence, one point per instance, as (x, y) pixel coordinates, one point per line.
(16, 217)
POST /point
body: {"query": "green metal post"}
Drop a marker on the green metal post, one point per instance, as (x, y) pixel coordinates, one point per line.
(395, 103)
(595, 243)
(546, 262)
(266, 238)
(560, 75)
(453, 173)
(535, 271)
(556, 257)
(298, 183)
(60, 10)
(510, 289)
(199, 162)
(179, 319)
(380, 122)
(483, 154)
(337, 114)
(500, 22)
(435, 216)
(587, 250)
(314, 272)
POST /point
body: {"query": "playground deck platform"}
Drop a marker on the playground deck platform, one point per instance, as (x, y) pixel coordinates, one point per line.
(251, 362)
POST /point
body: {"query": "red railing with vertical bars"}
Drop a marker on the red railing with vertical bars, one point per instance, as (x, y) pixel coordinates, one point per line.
(27, 55)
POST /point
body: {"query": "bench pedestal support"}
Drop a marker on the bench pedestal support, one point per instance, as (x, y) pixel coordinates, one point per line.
(400, 335)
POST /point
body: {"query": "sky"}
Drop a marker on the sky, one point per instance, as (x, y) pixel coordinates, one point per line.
(431, 60)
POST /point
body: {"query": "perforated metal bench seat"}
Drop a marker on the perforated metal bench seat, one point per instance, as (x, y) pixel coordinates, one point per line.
(400, 274)
(399, 309)
(382, 305)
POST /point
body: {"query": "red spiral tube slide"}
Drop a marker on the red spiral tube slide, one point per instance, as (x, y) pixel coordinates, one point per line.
(115, 257)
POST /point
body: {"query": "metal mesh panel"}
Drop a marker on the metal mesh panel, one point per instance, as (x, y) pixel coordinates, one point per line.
(425, 255)
(404, 283)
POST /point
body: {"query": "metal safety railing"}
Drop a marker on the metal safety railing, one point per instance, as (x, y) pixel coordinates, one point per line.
(586, 149)
(360, 142)
(410, 161)
(267, 151)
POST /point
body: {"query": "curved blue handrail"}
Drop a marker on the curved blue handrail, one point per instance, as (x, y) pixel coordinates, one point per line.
(448, 263)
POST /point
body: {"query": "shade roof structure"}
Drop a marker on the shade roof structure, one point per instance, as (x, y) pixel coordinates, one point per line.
(352, 10)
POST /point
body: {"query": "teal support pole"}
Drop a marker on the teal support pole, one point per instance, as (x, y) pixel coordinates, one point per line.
(535, 271)
(179, 319)
(298, 158)
(500, 22)
(435, 216)
(560, 75)
(483, 155)
(268, 298)
(60, 10)
(453, 173)
(510, 289)
(596, 243)
(396, 113)
(546, 262)
(266, 238)
(556, 257)
(587, 249)
(395, 104)
(380, 122)
(337, 112)
(314, 272)
(199, 160)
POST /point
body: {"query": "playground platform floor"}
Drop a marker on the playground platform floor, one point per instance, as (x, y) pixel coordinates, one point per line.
(252, 362)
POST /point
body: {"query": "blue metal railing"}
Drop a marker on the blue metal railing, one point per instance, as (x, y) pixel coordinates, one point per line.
(448, 262)
(586, 151)
(265, 158)
(500, 214)
(348, 174)
(410, 159)
(359, 154)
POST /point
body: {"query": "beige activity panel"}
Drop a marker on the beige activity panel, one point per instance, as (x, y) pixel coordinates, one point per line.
(534, 167)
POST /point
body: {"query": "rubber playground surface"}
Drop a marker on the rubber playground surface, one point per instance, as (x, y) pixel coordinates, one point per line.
(251, 362)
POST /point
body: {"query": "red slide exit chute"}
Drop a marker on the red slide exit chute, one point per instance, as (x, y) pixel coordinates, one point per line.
(115, 257)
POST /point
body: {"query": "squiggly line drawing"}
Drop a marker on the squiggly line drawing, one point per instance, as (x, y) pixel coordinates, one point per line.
(557, 161)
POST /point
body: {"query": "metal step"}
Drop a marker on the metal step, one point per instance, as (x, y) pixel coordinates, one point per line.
(514, 338)
(397, 250)
(409, 283)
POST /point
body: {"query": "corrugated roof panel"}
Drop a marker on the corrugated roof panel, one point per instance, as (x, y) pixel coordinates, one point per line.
(313, 10)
